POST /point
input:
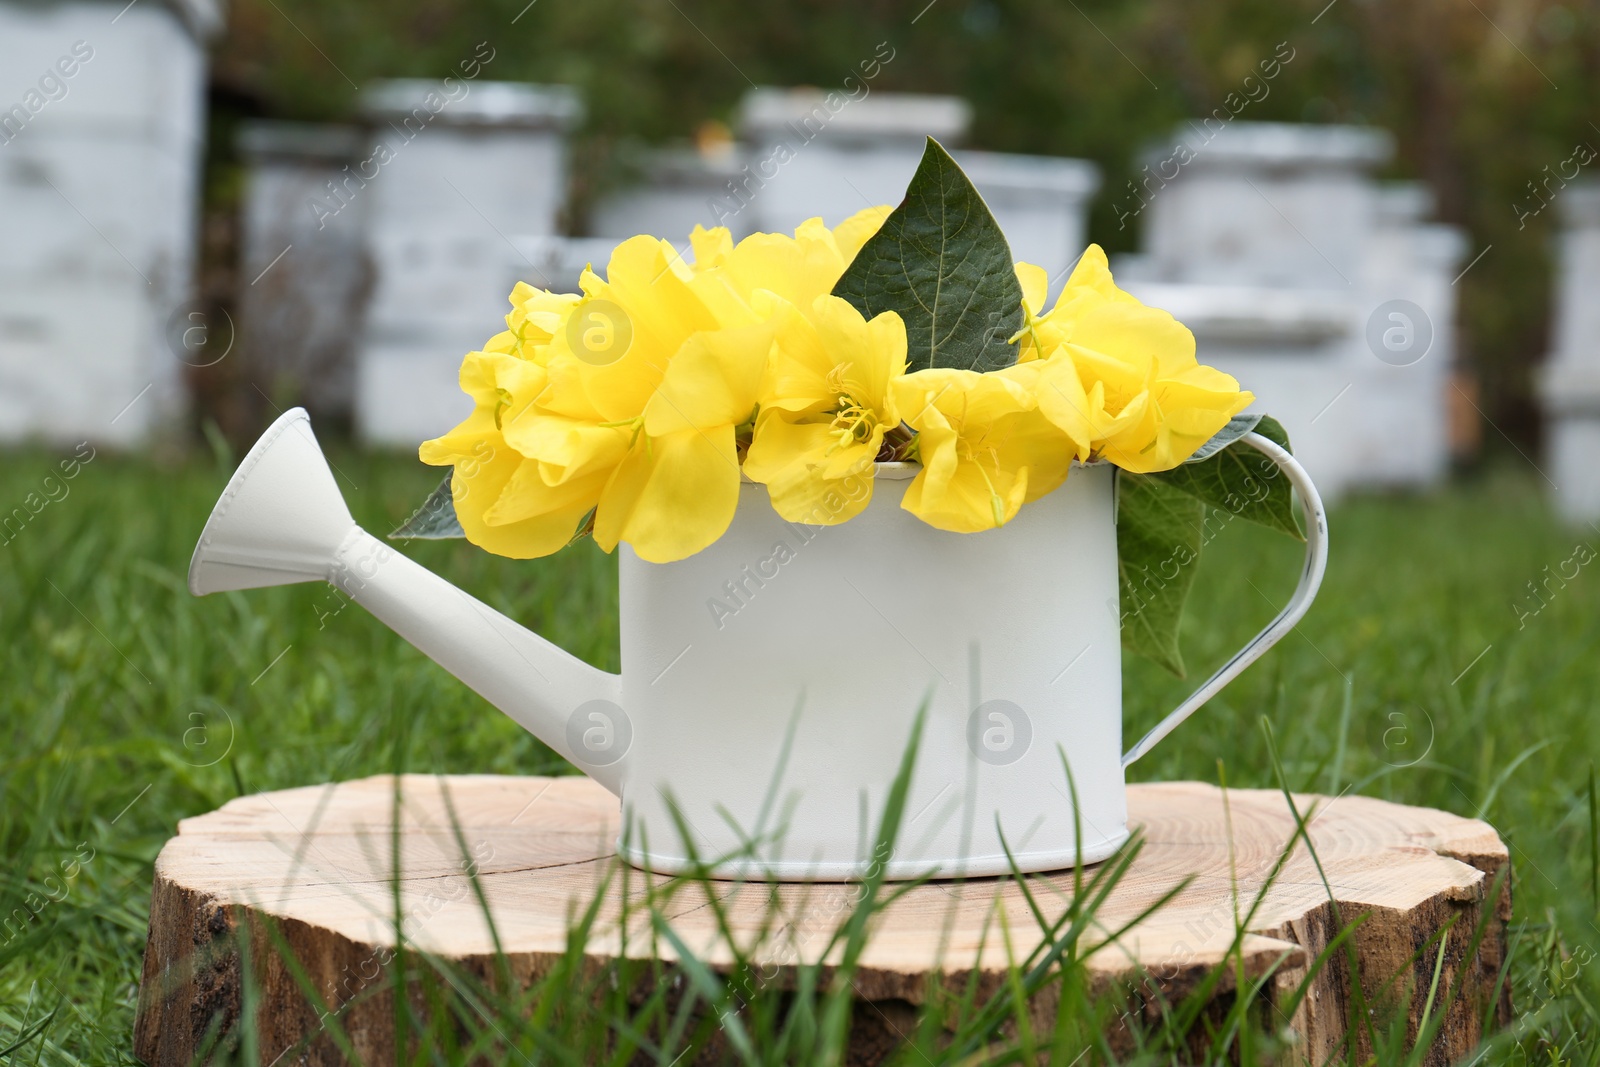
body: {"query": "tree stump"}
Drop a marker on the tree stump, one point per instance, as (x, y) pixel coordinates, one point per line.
(317, 859)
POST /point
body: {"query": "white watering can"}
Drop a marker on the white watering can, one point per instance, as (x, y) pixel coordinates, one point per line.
(770, 683)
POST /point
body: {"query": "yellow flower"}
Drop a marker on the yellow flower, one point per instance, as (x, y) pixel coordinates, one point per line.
(627, 404)
(676, 489)
(825, 409)
(644, 430)
(501, 386)
(1090, 285)
(649, 309)
(1119, 378)
(592, 412)
(986, 448)
(564, 427)
(536, 316)
(799, 269)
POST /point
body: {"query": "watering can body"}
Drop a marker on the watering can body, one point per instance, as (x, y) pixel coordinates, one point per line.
(771, 683)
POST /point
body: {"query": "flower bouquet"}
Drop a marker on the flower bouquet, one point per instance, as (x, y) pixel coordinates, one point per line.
(631, 412)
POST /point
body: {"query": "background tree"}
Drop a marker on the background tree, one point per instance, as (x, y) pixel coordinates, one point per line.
(1480, 94)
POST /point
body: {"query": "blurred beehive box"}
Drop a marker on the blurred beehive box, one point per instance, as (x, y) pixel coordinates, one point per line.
(1570, 383)
(1290, 261)
(102, 124)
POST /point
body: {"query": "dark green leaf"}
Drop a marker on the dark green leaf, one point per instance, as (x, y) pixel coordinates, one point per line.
(941, 261)
(435, 520)
(1237, 427)
(1158, 544)
(1242, 482)
(1273, 430)
(585, 528)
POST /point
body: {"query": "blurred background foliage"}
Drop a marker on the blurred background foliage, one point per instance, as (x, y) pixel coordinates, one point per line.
(1481, 95)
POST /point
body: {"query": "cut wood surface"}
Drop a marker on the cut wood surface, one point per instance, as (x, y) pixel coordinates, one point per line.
(318, 860)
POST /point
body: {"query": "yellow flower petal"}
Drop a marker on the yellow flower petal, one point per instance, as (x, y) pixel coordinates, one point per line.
(567, 448)
(713, 381)
(502, 387)
(1092, 275)
(869, 355)
(799, 269)
(537, 315)
(1138, 335)
(797, 377)
(646, 291)
(858, 229)
(476, 487)
(672, 496)
(974, 499)
(792, 459)
(1064, 401)
(527, 499)
(1035, 282)
(710, 247)
(984, 442)
(826, 406)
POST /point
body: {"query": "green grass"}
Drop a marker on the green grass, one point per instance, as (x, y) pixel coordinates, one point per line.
(127, 704)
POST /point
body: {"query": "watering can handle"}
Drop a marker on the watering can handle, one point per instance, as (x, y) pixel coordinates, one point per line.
(1304, 593)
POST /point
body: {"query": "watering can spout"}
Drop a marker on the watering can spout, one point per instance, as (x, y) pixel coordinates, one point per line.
(282, 520)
